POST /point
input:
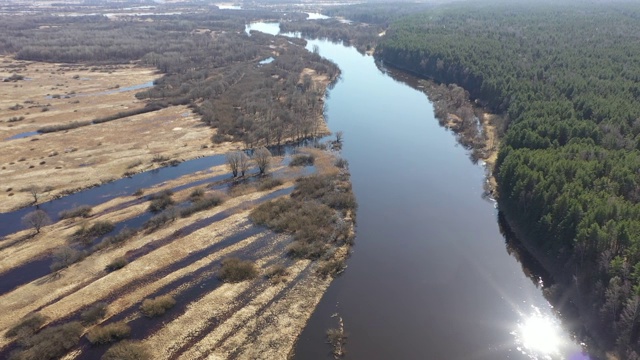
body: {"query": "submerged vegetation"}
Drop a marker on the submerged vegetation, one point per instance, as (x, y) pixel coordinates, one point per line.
(567, 169)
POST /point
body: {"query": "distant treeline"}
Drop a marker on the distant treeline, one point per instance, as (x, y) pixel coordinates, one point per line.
(569, 165)
(361, 36)
(381, 14)
(209, 62)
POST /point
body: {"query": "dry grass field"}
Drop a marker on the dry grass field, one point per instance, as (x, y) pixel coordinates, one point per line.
(119, 257)
(86, 156)
(257, 318)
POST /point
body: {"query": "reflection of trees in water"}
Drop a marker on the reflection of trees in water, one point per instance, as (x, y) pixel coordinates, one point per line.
(556, 295)
(530, 266)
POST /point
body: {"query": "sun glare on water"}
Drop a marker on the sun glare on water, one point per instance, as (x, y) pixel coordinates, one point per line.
(539, 336)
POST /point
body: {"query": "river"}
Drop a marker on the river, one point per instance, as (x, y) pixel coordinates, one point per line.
(431, 276)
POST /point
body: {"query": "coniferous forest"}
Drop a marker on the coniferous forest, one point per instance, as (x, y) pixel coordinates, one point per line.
(568, 170)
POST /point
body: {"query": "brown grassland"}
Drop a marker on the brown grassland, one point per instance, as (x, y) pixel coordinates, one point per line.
(259, 318)
(178, 258)
(89, 155)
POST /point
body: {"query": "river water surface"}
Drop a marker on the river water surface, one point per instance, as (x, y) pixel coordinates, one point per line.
(430, 276)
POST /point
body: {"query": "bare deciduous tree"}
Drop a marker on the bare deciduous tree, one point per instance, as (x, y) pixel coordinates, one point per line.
(244, 164)
(36, 220)
(262, 157)
(35, 191)
(233, 160)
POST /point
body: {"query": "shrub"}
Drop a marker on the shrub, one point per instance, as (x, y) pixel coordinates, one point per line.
(66, 256)
(27, 326)
(269, 183)
(302, 160)
(196, 194)
(205, 203)
(341, 200)
(87, 234)
(157, 306)
(161, 194)
(51, 343)
(235, 270)
(123, 114)
(133, 164)
(342, 163)
(157, 158)
(161, 201)
(62, 127)
(330, 268)
(302, 250)
(116, 264)
(127, 350)
(326, 189)
(94, 313)
(108, 333)
(78, 211)
(268, 214)
(277, 273)
(138, 192)
(277, 270)
(124, 234)
(159, 220)
(218, 138)
(14, 77)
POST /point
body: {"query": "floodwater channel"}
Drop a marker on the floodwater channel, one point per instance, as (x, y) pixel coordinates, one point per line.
(431, 275)
(10, 222)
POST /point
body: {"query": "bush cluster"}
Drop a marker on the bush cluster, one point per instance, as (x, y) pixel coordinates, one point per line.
(277, 273)
(234, 270)
(27, 326)
(66, 256)
(50, 343)
(330, 267)
(78, 211)
(161, 201)
(269, 183)
(204, 203)
(159, 220)
(88, 234)
(302, 160)
(127, 350)
(94, 313)
(328, 189)
(124, 234)
(108, 333)
(63, 127)
(311, 214)
(157, 306)
(116, 264)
